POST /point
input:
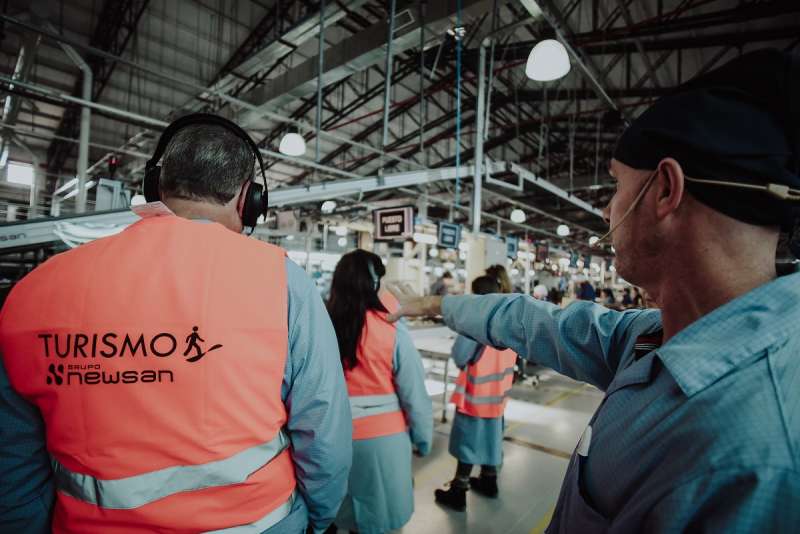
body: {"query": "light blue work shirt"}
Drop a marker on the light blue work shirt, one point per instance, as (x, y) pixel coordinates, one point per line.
(701, 434)
(319, 426)
(474, 440)
(381, 492)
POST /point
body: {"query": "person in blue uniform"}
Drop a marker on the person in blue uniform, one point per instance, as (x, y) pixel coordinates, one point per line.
(392, 411)
(474, 440)
(313, 390)
(699, 424)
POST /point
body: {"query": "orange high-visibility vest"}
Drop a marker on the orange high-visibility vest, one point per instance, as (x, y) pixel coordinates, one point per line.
(370, 384)
(389, 301)
(482, 388)
(156, 358)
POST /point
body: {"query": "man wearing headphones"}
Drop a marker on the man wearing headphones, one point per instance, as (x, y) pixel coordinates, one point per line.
(178, 376)
(698, 429)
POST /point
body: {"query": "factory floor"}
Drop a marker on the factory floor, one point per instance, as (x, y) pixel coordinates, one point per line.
(543, 425)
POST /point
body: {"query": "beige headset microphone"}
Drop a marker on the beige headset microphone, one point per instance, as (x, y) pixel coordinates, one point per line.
(632, 207)
(783, 192)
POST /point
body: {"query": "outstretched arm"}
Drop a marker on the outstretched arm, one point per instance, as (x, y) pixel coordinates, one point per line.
(584, 341)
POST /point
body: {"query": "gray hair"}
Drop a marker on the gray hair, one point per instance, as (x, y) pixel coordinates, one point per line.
(205, 162)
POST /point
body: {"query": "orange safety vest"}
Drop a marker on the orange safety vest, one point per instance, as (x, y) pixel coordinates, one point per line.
(481, 389)
(370, 384)
(156, 358)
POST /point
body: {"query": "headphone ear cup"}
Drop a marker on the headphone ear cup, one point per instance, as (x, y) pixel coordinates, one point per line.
(150, 183)
(376, 281)
(252, 207)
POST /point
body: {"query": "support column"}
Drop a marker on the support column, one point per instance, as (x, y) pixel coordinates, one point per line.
(479, 137)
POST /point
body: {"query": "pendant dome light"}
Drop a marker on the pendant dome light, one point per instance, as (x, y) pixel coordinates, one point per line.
(547, 61)
(292, 144)
(517, 216)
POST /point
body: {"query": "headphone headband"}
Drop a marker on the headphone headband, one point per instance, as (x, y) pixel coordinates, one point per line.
(255, 203)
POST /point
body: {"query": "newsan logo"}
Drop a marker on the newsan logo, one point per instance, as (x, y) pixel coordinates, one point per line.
(57, 375)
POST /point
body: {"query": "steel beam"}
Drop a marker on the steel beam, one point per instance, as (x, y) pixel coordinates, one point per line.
(116, 24)
(354, 55)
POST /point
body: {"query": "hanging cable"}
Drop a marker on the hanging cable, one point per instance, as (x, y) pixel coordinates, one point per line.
(458, 35)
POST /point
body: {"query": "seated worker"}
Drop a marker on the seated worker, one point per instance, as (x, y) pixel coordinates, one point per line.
(480, 399)
(391, 409)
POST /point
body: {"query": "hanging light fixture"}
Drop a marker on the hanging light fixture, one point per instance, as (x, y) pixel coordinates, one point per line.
(592, 240)
(433, 253)
(292, 144)
(547, 61)
(328, 206)
(517, 216)
(342, 242)
(562, 230)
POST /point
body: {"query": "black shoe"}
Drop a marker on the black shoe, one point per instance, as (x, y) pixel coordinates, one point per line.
(455, 497)
(484, 485)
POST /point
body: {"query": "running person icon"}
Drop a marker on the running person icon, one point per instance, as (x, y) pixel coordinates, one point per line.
(192, 340)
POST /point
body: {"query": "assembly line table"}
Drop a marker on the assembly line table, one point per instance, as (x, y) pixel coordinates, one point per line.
(436, 342)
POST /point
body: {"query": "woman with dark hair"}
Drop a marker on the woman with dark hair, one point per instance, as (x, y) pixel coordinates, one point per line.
(499, 273)
(386, 384)
(609, 299)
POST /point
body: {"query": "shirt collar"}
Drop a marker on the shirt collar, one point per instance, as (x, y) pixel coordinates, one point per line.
(733, 334)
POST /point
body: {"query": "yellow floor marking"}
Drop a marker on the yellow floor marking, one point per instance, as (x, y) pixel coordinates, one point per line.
(541, 525)
(541, 448)
(565, 395)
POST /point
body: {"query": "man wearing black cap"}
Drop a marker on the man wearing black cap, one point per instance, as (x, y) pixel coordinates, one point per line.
(699, 429)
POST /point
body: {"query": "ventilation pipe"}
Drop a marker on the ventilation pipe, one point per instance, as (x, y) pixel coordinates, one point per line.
(86, 117)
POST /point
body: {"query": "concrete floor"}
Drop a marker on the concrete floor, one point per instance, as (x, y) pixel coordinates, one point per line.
(543, 425)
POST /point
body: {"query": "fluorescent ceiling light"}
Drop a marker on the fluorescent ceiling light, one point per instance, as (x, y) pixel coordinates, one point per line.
(20, 173)
(425, 238)
(292, 144)
(547, 61)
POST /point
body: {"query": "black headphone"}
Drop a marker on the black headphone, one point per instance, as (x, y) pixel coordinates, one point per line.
(376, 281)
(255, 195)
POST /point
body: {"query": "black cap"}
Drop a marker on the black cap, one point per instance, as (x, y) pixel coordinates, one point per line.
(738, 123)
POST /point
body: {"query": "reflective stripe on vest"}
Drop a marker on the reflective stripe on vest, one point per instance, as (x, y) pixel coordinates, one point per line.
(138, 490)
(490, 378)
(481, 388)
(257, 527)
(367, 405)
(370, 384)
(479, 400)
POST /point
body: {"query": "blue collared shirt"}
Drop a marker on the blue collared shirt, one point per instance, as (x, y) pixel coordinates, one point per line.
(319, 425)
(701, 434)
